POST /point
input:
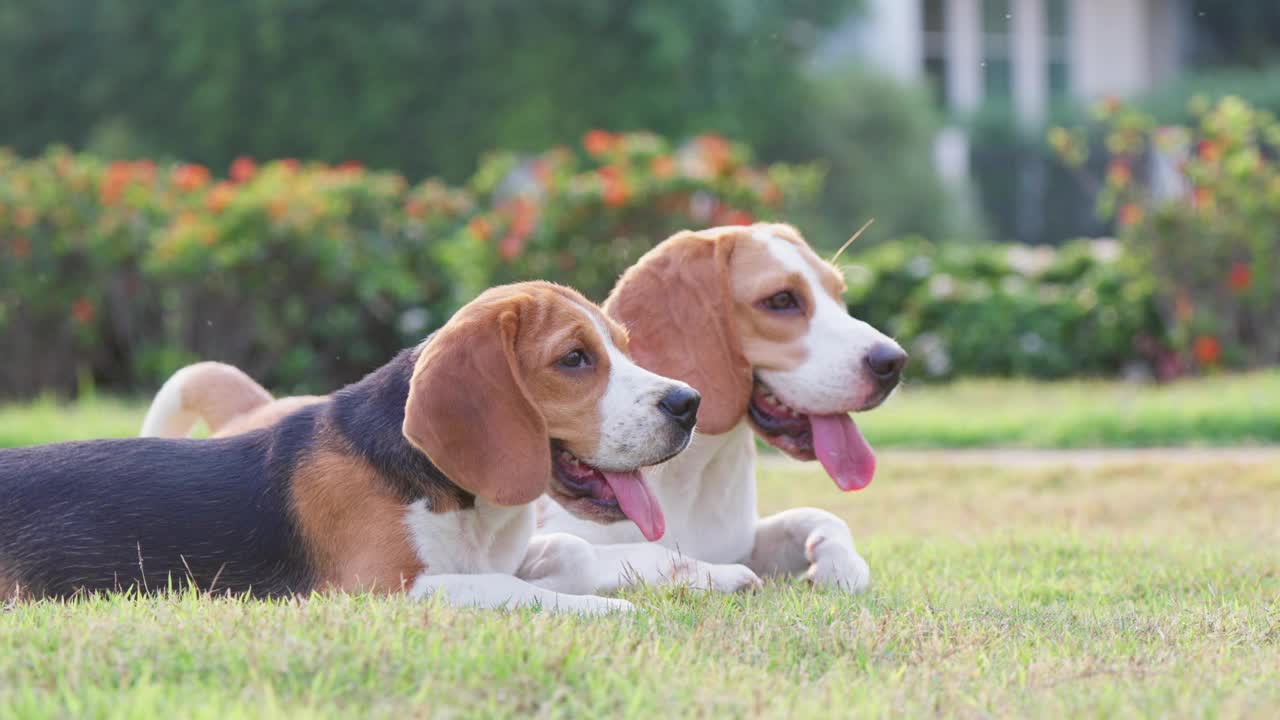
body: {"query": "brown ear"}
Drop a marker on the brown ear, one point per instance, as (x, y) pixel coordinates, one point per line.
(469, 411)
(677, 306)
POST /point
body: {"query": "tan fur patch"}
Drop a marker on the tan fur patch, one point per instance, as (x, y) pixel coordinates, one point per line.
(488, 394)
(769, 340)
(267, 415)
(219, 392)
(352, 525)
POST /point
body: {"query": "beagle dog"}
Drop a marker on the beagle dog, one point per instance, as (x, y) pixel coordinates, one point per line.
(756, 322)
(419, 477)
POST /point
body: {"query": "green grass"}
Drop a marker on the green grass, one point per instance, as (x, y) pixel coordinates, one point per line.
(1122, 590)
(1226, 410)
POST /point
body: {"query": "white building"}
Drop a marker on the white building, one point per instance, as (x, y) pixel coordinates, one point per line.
(1023, 52)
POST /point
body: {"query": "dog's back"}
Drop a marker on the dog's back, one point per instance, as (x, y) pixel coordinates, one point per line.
(113, 514)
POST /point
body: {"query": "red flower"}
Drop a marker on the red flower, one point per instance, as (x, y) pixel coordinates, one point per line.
(1209, 151)
(290, 165)
(599, 142)
(1119, 174)
(1240, 277)
(20, 247)
(1129, 215)
(190, 176)
(349, 166)
(1207, 350)
(83, 311)
(736, 217)
(243, 169)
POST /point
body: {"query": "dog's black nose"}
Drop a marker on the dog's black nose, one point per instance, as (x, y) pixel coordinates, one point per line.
(886, 362)
(681, 405)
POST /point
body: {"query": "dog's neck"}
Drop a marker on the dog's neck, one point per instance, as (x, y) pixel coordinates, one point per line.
(369, 415)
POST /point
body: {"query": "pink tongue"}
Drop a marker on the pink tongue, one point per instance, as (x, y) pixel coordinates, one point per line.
(637, 502)
(842, 450)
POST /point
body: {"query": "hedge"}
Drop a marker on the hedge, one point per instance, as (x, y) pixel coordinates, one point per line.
(308, 275)
(1010, 310)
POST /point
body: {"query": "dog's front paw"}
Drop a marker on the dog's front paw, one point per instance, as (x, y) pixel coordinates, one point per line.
(720, 578)
(591, 605)
(837, 565)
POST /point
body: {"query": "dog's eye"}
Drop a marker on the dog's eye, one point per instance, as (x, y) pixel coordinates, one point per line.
(575, 359)
(785, 300)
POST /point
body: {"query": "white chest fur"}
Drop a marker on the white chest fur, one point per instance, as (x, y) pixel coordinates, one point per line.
(707, 495)
(485, 539)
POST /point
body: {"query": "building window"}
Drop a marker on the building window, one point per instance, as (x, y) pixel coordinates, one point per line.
(935, 49)
(1057, 28)
(997, 75)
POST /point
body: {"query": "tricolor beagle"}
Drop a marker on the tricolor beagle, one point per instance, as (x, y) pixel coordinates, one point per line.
(420, 476)
(756, 322)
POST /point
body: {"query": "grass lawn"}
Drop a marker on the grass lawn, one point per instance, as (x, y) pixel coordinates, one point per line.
(1116, 590)
(1227, 410)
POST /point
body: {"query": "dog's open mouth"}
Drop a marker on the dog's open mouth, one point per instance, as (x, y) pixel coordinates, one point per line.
(833, 440)
(604, 495)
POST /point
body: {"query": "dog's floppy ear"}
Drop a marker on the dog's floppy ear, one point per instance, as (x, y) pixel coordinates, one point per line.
(469, 410)
(677, 306)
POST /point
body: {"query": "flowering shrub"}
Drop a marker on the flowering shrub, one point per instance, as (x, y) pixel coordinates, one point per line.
(1200, 207)
(1014, 310)
(307, 275)
(581, 217)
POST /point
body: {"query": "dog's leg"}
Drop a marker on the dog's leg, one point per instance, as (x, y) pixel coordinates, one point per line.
(506, 591)
(811, 541)
(567, 563)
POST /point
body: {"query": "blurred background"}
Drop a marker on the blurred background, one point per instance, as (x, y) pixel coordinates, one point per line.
(1060, 188)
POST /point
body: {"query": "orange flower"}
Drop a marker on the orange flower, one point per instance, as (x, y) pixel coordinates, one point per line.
(1119, 174)
(290, 165)
(82, 311)
(616, 193)
(190, 176)
(1207, 350)
(20, 247)
(1130, 214)
(1209, 151)
(599, 142)
(1201, 198)
(243, 169)
(716, 150)
(735, 217)
(24, 217)
(415, 208)
(220, 196)
(349, 166)
(278, 209)
(480, 229)
(1183, 309)
(1240, 277)
(1111, 104)
(115, 179)
(663, 166)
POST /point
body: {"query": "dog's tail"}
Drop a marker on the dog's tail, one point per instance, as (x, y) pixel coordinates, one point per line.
(209, 391)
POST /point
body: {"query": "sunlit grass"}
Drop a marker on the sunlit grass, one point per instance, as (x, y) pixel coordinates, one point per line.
(1226, 410)
(1129, 590)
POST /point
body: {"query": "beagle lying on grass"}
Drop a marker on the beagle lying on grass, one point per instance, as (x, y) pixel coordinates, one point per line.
(756, 322)
(420, 476)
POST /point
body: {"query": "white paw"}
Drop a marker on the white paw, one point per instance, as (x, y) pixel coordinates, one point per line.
(589, 605)
(720, 578)
(836, 565)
